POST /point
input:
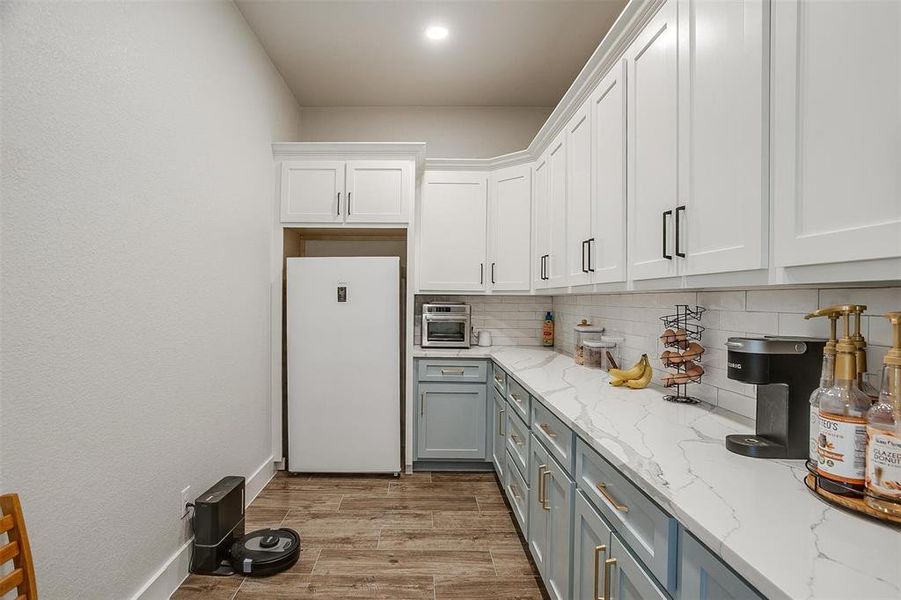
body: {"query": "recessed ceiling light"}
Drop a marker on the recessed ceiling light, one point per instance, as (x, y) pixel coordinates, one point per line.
(436, 32)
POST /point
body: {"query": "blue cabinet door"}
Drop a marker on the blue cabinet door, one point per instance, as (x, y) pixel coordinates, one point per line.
(704, 577)
(539, 515)
(498, 434)
(591, 547)
(451, 421)
(558, 492)
(627, 577)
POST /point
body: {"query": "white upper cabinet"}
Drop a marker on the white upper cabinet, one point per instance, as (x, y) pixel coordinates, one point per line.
(555, 265)
(652, 66)
(541, 226)
(606, 252)
(312, 191)
(452, 231)
(578, 195)
(721, 223)
(323, 192)
(379, 191)
(836, 131)
(510, 229)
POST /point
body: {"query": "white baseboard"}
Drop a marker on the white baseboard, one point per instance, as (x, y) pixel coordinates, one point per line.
(174, 571)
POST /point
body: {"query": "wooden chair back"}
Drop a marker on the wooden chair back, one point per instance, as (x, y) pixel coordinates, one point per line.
(17, 550)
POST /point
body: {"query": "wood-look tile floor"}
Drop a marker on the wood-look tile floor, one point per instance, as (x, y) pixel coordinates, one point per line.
(428, 536)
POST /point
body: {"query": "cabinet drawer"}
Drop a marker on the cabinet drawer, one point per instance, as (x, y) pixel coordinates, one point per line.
(519, 399)
(704, 576)
(450, 370)
(627, 577)
(557, 437)
(499, 378)
(518, 441)
(518, 494)
(645, 527)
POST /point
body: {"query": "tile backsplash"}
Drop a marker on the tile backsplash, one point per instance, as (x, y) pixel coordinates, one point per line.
(512, 320)
(635, 317)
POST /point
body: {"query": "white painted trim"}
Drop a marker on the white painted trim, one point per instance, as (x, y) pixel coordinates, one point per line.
(163, 583)
(414, 151)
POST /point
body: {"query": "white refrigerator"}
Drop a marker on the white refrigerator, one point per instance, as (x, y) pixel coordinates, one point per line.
(343, 334)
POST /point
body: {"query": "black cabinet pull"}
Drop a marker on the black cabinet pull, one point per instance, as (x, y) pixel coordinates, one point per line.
(665, 255)
(679, 252)
(584, 242)
(492, 273)
(589, 242)
(481, 273)
(541, 268)
(339, 204)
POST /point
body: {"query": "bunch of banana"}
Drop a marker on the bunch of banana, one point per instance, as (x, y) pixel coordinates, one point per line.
(638, 377)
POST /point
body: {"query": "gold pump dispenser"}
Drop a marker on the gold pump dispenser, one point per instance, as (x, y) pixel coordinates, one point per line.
(841, 440)
(861, 355)
(883, 456)
(826, 380)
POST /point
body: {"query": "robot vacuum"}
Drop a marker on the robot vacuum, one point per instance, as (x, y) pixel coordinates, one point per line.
(265, 552)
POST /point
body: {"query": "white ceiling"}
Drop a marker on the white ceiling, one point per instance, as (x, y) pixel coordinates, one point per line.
(374, 53)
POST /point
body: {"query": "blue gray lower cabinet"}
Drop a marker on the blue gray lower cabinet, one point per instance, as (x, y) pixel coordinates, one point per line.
(629, 580)
(591, 547)
(451, 420)
(497, 436)
(550, 520)
(702, 576)
(517, 492)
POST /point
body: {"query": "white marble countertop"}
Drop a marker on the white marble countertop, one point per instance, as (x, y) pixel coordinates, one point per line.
(756, 514)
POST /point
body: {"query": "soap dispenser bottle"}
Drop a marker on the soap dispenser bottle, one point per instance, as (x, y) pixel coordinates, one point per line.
(827, 376)
(883, 457)
(841, 443)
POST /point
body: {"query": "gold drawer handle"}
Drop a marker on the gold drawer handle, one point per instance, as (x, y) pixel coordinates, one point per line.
(541, 469)
(516, 398)
(500, 422)
(498, 379)
(610, 562)
(602, 488)
(516, 439)
(547, 429)
(598, 551)
(452, 371)
(513, 492)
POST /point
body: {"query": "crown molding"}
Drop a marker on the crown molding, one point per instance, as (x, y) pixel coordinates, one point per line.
(361, 150)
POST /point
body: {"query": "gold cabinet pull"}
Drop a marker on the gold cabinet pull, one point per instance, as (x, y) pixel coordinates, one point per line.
(516, 439)
(452, 371)
(421, 403)
(610, 562)
(545, 504)
(602, 488)
(500, 422)
(516, 398)
(541, 469)
(513, 492)
(547, 429)
(598, 551)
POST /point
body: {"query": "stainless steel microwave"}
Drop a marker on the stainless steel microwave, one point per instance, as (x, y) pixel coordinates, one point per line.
(445, 325)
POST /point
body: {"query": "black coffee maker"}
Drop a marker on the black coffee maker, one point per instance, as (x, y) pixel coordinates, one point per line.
(786, 370)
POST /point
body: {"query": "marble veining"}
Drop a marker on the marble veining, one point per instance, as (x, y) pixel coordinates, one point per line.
(756, 514)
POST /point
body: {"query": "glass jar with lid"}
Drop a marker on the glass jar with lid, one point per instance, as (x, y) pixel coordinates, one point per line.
(583, 332)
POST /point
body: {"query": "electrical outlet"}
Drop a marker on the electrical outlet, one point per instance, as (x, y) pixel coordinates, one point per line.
(185, 499)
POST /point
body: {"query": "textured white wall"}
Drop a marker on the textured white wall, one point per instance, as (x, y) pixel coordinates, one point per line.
(137, 186)
(450, 132)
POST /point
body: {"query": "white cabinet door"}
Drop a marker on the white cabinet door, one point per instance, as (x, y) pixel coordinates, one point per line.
(379, 191)
(652, 124)
(510, 229)
(607, 246)
(452, 232)
(540, 224)
(312, 191)
(722, 222)
(836, 144)
(555, 264)
(578, 195)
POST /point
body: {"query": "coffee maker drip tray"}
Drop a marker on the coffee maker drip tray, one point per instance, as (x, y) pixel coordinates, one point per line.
(755, 446)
